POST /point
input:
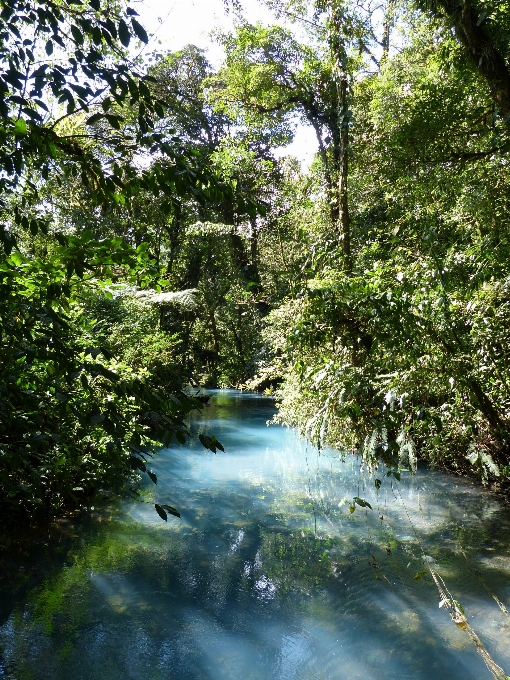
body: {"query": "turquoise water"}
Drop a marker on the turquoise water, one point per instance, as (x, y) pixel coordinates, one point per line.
(267, 575)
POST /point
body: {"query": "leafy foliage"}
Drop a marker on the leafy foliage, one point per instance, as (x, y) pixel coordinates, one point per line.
(76, 413)
(392, 358)
(72, 416)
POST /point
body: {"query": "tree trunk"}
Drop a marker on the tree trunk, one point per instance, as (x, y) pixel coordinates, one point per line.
(239, 253)
(486, 407)
(254, 251)
(330, 180)
(344, 224)
(239, 345)
(481, 48)
(214, 331)
(385, 42)
(342, 133)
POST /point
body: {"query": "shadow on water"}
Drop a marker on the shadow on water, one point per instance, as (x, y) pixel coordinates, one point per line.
(266, 575)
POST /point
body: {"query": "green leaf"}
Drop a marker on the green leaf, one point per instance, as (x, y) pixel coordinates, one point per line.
(77, 34)
(16, 258)
(171, 511)
(94, 119)
(137, 464)
(160, 511)
(115, 121)
(420, 575)
(124, 34)
(7, 239)
(152, 476)
(210, 443)
(20, 128)
(96, 35)
(459, 607)
(362, 502)
(139, 31)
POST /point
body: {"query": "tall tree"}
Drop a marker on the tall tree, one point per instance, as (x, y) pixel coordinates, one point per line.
(482, 28)
(269, 78)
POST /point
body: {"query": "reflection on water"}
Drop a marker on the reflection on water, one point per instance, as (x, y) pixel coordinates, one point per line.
(267, 575)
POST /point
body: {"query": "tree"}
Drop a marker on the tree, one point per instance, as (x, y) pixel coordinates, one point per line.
(390, 357)
(72, 416)
(180, 80)
(267, 79)
(482, 30)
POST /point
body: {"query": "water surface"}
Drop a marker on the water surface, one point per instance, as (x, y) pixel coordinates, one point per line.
(267, 575)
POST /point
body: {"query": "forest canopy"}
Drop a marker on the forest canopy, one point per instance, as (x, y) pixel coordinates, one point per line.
(154, 239)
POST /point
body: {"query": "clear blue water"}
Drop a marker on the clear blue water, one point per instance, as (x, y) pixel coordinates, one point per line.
(267, 575)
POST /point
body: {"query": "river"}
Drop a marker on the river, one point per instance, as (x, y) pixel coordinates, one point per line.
(267, 575)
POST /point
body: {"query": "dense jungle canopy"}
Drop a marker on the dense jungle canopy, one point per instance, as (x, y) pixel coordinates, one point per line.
(152, 237)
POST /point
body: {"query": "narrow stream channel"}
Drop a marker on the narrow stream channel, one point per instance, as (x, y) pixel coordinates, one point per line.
(267, 575)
